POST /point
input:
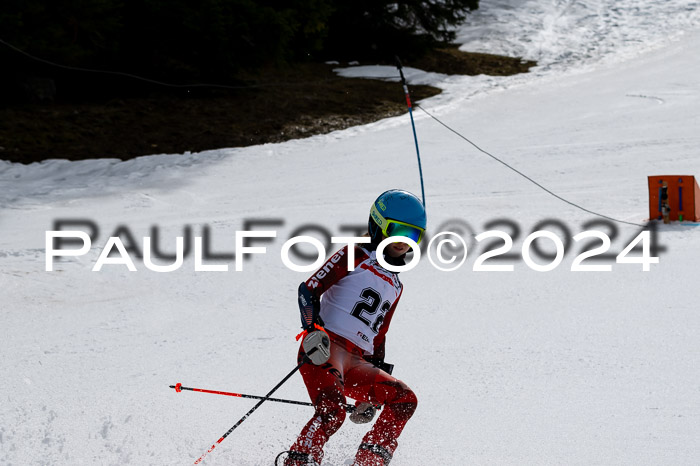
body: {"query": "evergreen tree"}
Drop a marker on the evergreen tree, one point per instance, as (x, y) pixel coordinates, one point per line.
(382, 28)
(183, 41)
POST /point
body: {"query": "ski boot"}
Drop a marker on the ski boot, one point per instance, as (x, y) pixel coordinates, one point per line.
(294, 458)
(372, 455)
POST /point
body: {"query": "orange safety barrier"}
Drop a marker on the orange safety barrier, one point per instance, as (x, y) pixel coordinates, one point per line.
(679, 194)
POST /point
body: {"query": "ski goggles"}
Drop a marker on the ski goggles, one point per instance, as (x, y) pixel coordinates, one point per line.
(392, 227)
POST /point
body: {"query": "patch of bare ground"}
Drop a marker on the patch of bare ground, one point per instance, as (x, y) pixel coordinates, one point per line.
(274, 105)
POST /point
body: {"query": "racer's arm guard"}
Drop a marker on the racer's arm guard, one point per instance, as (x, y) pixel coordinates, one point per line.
(309, 307)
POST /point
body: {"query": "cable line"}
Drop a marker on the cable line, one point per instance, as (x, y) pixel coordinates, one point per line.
(524, 175)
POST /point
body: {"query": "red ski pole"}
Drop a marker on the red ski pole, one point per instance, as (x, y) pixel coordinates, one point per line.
(257, 405)
(179, 387)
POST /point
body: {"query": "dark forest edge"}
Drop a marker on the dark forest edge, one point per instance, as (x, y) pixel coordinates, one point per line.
(51, 112)
(303, 100)
(216, 40)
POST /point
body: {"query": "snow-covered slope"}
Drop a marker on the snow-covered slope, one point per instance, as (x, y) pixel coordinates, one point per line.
(517, 367)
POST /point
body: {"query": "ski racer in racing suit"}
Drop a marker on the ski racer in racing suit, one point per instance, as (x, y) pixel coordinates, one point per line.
(346, 313)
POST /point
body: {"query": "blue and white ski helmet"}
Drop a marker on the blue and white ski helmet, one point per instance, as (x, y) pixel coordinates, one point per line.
(396, 205)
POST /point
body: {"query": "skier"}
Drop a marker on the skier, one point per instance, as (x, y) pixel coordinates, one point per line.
(344, 335)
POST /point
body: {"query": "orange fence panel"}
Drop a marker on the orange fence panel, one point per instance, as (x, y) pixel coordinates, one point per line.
(680, 192)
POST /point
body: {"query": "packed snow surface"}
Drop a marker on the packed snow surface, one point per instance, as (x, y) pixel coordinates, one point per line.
(520, 367)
